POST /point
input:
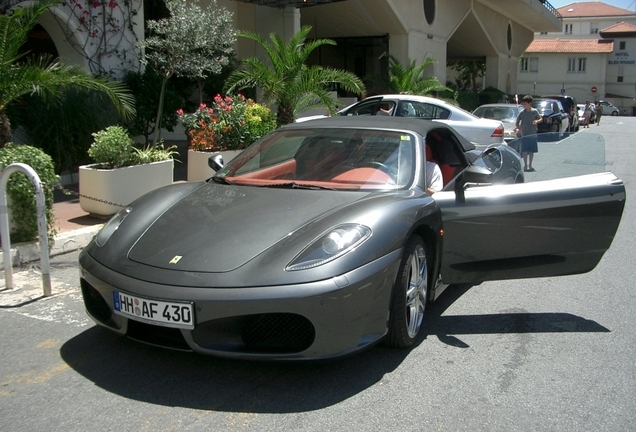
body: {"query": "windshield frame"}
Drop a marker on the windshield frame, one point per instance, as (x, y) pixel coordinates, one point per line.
(380, 159)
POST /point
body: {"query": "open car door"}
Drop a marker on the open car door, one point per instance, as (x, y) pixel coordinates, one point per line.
(562, 223)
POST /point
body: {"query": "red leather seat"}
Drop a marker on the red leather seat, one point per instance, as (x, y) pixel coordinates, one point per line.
(448, 171)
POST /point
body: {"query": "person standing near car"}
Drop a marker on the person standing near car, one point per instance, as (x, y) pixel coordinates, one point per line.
(526, 127)
(587, 114)
(599, 113)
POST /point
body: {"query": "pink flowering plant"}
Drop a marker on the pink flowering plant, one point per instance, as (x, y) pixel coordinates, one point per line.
(230, 123)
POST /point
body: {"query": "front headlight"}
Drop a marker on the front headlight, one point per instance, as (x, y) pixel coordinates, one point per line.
(329, 246)
(111, 226)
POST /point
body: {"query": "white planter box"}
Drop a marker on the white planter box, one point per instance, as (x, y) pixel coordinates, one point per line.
(198, 168)
(120, 185)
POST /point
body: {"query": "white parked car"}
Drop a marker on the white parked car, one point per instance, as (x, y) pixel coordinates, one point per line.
(479, 131)
(609, 109)
(581, 111)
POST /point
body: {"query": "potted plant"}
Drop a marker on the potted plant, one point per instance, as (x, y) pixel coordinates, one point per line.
(121, 172)
(228, 126)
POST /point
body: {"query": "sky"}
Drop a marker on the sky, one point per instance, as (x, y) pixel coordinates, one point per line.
(625, 4)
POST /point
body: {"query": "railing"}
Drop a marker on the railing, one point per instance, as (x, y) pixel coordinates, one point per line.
(41, 218)
(551, 8)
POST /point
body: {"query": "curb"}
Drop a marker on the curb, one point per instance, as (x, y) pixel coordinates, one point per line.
(22, 253)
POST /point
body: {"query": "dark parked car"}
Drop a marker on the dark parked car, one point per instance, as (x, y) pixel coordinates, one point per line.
(554, 117)
(320, 239)
(569, 106)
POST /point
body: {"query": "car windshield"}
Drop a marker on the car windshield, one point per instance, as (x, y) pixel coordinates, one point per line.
(324, 158)
(544, 107)
(562, 155)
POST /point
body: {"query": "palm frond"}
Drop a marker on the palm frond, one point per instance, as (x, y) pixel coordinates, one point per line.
(287, 81)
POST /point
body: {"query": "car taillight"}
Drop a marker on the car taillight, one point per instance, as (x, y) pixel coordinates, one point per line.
(498, 133)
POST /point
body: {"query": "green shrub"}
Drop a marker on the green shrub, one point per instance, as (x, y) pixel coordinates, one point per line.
(22, 193)
(113, 148)
(155, 154)
(468, 100)
(259, 121)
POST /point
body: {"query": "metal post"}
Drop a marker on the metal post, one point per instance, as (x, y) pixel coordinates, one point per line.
(40, 205)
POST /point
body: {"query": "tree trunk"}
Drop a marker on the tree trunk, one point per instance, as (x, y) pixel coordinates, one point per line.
(159, 112)
(284, 115)
(5, 129)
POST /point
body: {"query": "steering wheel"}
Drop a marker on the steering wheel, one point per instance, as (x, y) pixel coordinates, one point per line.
(382, 167)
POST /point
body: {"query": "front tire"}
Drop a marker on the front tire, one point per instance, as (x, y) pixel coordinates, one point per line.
(408, 299)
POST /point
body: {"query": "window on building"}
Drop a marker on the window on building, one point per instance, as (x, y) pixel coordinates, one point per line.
(582, 62)
(619, 78)
(568, 29)
(534, 64)
(593, 28)
(621, 45)
(529, 64)
(543, 33)
(571, 64)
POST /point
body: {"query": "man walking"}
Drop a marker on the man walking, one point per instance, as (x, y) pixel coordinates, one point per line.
(526, 126)
(599, 113)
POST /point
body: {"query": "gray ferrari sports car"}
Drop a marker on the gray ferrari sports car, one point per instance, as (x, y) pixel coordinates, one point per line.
(320, 240)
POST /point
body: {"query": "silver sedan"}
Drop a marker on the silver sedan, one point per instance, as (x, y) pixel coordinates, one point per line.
(506, 113)
(480, 132)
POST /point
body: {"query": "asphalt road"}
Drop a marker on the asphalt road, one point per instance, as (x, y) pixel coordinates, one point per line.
(554, 354)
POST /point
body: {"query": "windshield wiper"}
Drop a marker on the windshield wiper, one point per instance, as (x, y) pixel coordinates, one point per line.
(294, 185)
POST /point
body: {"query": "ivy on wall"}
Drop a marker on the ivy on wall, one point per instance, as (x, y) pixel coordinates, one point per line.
(104, 32)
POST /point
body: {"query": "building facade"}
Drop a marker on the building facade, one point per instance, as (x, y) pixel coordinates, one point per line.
(592, 57)
(101, 35)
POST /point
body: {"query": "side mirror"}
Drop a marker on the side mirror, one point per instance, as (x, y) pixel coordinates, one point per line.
(471, 175)
(216, 161)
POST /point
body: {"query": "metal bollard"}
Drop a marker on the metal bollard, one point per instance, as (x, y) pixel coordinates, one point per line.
(41, 218)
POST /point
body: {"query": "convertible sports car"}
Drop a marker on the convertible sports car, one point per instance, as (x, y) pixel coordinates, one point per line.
(320, 240)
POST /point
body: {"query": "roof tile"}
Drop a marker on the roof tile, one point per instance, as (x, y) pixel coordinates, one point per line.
(621, 27)
(591, 9)
(570, 46)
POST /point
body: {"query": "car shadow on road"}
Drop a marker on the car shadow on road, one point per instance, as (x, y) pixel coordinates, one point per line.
(171, 378)
(446, 327)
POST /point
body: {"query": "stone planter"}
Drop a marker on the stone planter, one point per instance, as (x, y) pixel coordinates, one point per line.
(198, 168)
(120, 185)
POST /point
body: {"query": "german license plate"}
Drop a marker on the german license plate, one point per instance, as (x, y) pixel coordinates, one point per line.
(166, 314)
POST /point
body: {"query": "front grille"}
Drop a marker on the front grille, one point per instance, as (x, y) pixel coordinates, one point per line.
(274, 333)
(282, 331)
(156, 335)
(95, 304)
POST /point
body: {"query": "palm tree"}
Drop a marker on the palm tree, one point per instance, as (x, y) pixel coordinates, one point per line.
(21, 75)
(409, 79)
(287, 81)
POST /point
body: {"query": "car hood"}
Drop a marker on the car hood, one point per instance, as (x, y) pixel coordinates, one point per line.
(218, 228)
